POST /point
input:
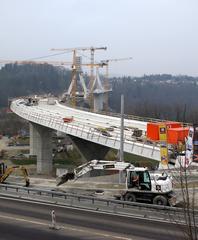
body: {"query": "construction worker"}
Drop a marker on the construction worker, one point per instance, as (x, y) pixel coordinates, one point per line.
(135, 180)
(53, 219)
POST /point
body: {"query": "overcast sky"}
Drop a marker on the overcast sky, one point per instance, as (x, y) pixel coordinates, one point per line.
(160, 35)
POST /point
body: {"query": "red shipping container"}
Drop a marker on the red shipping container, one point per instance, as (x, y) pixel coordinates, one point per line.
(153, 129)
(170, 124)
(175, 135)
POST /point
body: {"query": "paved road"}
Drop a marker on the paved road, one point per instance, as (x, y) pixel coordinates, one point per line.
(25, 220)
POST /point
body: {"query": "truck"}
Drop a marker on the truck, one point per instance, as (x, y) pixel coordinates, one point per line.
(140, 184)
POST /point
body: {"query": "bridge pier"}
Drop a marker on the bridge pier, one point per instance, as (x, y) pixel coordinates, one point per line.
(89, 150)
(41, 146)
(98, 102)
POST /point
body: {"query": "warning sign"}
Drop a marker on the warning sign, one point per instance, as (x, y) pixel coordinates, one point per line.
(163, 144)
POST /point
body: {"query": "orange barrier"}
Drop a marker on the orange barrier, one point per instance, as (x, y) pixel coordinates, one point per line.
(153, 128)
(176, 135)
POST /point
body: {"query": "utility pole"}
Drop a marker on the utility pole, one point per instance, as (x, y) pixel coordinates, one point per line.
(74, 79)
(121, 152)
(121, 159)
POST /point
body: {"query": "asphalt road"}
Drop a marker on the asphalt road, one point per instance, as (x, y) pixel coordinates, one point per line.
(20, 219)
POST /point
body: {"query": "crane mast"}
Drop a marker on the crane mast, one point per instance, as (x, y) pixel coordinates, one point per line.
(106, 81)
(92, 51)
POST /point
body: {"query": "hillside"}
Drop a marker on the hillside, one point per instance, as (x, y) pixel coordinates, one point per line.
(22, 80)
(159, 96)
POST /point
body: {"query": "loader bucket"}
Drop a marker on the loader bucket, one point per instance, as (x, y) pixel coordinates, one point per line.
(64, 178)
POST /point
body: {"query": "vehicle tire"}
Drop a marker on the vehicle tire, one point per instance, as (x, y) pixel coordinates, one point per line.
(160, 200)
(130, 197)
(27, 183)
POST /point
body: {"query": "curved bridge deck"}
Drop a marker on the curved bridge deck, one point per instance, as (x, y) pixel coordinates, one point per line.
(85, 125)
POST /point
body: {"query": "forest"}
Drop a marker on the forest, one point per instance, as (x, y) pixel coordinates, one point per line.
(159, 96)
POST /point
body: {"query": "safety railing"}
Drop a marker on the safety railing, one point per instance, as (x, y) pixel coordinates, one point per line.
(129, 117)
(142, 210)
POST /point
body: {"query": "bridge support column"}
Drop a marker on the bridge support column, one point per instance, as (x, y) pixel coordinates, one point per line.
(41, 146)
(33, 137)
(89, 150)
(98, 102)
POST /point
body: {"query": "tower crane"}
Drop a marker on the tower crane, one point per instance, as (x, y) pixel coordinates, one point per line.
(106, 82)
(74, 71)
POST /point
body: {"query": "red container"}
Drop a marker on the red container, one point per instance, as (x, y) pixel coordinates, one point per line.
(153, 129)
(170, 124)
(176, 135)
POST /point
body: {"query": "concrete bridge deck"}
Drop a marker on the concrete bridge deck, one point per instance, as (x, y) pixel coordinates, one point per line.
(85, 124)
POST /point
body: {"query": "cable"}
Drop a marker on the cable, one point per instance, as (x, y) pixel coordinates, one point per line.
(51, 55)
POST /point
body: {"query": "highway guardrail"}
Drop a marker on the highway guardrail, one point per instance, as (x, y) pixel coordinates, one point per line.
(141, 210)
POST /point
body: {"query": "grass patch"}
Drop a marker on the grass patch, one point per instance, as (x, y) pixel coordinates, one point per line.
(70, 158)
(23, 161)
(137, 161)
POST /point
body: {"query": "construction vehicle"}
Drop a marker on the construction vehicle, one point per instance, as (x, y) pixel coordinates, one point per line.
(140, 184)
(5, 173)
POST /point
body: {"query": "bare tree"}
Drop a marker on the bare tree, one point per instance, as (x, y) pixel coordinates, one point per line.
(187, 220)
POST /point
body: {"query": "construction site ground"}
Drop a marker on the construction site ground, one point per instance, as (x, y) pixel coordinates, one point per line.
(94, 186)
(88, 187)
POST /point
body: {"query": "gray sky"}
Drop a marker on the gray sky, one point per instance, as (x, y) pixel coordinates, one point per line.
(160, 35)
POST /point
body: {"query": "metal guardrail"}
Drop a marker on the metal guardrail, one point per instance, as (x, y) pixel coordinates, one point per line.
(114, 114)
(147, 211)
(127, 116)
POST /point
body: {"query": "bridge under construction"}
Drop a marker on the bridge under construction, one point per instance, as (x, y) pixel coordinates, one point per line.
(87, 129)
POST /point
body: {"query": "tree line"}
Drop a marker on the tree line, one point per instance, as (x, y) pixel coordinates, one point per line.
(21, 80)
(159, 96)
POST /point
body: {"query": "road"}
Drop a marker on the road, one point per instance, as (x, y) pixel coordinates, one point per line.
(21, 219)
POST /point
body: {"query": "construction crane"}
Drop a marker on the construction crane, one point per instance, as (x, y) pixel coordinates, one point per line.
(92, 49)
(74, 72)
(106, 82)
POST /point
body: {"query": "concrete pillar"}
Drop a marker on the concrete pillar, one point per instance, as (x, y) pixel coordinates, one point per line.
(33, 142)
(41, 146)
(98, 102)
